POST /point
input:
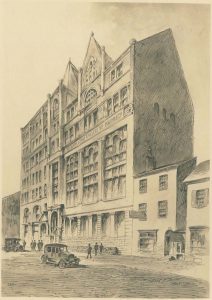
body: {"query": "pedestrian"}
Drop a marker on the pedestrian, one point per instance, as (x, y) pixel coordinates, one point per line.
(32, 245)
(89, 251)
(101, 248)
(41, 245)
(96, 247)
(24, 244)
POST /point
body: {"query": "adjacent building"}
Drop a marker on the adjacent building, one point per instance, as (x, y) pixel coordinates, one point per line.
(11, 216)
(104, 124)
(197, 228)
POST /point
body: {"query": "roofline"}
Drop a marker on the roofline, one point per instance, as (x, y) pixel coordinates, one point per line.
(11, 195)
(163, 168)
(198, 180)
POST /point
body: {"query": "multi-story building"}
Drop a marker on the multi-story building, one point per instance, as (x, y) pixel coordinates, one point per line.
(104, 124)
(11, 216)
(159, 215)
(197, 228)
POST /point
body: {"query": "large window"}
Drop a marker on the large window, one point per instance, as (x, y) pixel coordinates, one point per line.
(115, 164)
(90, 96)
(72, 180)
(162, 209)
(199, 237)
(90, 173)
(200, 198)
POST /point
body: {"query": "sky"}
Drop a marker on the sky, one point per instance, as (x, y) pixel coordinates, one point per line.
(39, 37)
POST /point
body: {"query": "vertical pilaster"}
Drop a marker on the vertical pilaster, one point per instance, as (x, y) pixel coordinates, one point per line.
(60, 115)
(49, 123)
(78, 226)
(102, 70)
(112, 224)
(90, 226)
(80, 176)
(79, 88)
(101, 169)
(99, 229)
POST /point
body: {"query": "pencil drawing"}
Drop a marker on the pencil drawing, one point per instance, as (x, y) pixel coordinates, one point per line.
(112, 201)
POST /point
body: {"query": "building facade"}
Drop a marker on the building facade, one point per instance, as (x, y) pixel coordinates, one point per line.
(95, 132)
(11, 216)
(197, 228)
(159, 215)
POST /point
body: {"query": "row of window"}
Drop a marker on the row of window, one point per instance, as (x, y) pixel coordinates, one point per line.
(38, 193)
(36, 159)
(164, 113)
(162, 210)
(117, 72)
(163, 184)
(71, 113)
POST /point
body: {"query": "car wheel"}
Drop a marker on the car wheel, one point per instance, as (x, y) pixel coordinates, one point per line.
(61, 264)
(44, 259)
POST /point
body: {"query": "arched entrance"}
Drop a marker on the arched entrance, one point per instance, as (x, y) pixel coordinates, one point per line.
(67, 226)
(54, 223)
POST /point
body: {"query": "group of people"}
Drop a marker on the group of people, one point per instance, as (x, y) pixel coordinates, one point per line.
(96, 248)
(39, 245)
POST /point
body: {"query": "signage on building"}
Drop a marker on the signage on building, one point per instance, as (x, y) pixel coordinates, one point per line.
(118, 116)
(135, 214)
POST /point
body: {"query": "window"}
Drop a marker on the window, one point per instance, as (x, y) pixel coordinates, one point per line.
(124, 96)
(68, 116)
(72, 112)
(200, 198)
(164, 114)
(119, 70)
(90, 96)
(76, 130)
(163, 182)
(40, 192)
(45, 134)
(172, 119)
(143, 186)
(40, 176)
(199, 238)
(115, 102)
(109, 107)
(147, 240)
(55, 108)
(112, 75)
(71, 133)
(162, 208)
(95, 117)
(143, 211)
(45, 190)
(156, 109)
(91, 71)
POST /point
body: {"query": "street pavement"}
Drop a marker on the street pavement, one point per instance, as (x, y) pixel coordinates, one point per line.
(23, 275)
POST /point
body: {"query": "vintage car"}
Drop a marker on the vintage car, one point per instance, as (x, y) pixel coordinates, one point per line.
(59, 255)
(13, 244)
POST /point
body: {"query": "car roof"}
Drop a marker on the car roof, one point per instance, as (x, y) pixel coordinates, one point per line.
(55, 245)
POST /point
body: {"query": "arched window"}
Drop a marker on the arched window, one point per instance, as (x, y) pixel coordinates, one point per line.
(156, 109)
(90, 96)
(55, 108)
(172, 118)
(164, 114)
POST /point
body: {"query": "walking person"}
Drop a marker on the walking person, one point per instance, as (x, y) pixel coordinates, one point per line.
(89, 251)
(32, 245)
(96, 247)
(41, 245)
(24, 244)
(101, 248)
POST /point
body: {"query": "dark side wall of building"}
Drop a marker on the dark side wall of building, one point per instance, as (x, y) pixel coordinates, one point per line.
(163, 123)
(181, 205)
(11, 216)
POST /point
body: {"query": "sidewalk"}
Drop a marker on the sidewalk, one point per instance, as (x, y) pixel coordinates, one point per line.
(180, 267)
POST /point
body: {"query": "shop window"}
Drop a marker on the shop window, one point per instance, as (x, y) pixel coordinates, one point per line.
(163, 182)
(199, 237)
(147, 240)
(162, 209)
(143, 185)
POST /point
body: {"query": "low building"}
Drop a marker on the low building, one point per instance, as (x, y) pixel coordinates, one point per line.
(11, 216)
(159, 215)
(197, 228)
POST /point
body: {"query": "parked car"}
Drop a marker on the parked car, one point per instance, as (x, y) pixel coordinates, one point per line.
(13, 244)
(59, 255)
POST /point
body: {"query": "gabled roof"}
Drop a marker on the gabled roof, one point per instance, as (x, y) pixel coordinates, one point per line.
(70, 77)
(202, 171)
(93, 43)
